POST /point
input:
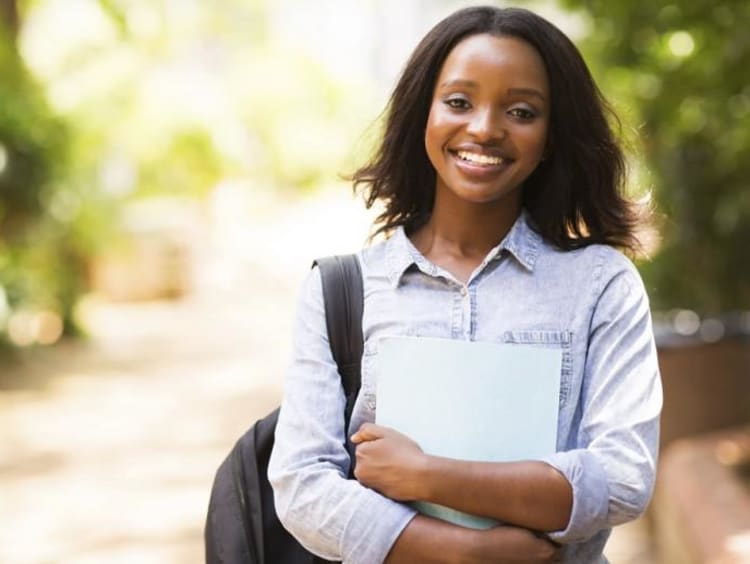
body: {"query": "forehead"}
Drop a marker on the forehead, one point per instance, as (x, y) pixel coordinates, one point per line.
(488, 59)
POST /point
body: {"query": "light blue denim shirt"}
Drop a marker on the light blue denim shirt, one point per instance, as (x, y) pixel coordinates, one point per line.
(590, 303)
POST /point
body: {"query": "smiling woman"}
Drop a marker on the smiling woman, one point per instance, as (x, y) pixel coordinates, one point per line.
(502, 185)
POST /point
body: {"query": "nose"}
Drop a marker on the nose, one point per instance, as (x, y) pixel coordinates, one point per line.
(486, 124)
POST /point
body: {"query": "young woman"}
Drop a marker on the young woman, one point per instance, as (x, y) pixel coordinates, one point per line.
(502, 183)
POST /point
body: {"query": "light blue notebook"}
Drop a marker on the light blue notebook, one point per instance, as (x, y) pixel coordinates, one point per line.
(471, 401)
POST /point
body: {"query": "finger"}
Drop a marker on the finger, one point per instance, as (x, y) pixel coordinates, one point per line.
(557, 555)
(367, 432)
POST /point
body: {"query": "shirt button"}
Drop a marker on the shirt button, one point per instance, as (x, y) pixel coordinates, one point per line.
(464, 291)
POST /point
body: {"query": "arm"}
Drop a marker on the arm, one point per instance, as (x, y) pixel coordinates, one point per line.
(329, 514)
(527, 494)
(430, 541)
(613, 464)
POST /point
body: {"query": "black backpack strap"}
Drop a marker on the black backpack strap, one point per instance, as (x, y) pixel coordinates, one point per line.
(343, 296)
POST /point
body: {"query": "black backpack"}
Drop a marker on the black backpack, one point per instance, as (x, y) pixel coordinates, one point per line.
(241, 525)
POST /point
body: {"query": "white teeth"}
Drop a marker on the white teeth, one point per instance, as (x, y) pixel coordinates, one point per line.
(479, 159)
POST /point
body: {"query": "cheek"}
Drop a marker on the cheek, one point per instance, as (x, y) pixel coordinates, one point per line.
(441, 125)
(535, 141)
(444, 124)
(432, 136)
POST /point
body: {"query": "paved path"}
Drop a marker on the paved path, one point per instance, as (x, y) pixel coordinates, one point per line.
(108, 447)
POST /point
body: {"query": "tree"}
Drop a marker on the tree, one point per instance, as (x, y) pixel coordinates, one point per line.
(682, 67)
(39, 267)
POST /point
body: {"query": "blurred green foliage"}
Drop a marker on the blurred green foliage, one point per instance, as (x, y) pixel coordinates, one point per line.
(40, 263)
(682, 67)
(106, 103)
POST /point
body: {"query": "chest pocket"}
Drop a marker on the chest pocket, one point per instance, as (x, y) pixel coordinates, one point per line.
(553, 339)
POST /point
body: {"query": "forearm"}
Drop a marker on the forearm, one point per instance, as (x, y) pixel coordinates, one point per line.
(528, 494)
(432, 541)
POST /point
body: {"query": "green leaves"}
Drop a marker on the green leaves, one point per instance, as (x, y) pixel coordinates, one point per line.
(682, 69)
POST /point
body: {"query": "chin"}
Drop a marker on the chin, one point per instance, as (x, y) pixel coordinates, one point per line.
(481, 197)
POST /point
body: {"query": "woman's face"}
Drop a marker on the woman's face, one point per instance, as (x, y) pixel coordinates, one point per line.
(487, 127)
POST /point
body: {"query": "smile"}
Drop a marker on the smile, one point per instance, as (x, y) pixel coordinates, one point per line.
(479, 159)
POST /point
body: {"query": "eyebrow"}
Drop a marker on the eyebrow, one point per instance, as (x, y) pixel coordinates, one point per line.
(527, 92)
(459, 82)
(511, 91)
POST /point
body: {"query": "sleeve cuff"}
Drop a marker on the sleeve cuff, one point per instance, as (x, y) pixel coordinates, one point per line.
(590, 494)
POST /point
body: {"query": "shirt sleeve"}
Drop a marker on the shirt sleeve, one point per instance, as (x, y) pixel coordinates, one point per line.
(333, 517)
(612, 470)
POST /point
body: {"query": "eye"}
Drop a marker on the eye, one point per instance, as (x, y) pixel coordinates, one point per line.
(523, 114)
(457, 103)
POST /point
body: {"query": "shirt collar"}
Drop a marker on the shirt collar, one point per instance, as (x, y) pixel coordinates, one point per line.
(522, 242)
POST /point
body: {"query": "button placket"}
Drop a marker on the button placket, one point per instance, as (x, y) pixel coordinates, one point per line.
(466, 312)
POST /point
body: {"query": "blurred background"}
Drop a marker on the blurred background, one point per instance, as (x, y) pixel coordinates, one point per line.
(169, 169)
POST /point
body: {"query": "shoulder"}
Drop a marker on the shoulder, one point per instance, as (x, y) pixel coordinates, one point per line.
(598, 268)
(380, 258)
(373, 261)
(374, 255)
(601, 262)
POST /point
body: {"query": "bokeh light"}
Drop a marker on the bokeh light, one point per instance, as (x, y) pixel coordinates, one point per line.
(26, 327)
(681, 44)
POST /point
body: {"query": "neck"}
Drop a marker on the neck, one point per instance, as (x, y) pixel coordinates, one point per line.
(465, 230)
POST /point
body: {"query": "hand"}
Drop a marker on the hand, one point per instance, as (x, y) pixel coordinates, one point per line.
(388, 462)
(514, 545)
